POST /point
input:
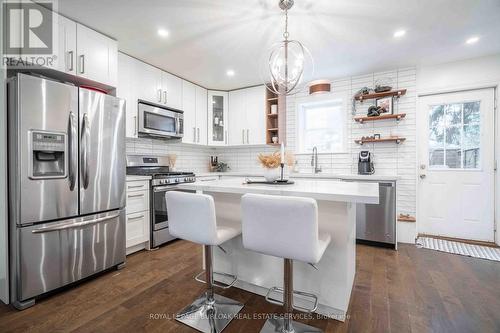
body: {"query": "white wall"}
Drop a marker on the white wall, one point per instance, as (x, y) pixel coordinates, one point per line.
(466, 74)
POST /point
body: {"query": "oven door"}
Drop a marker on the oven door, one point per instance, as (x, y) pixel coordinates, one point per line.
(159, 209)
(156, 121)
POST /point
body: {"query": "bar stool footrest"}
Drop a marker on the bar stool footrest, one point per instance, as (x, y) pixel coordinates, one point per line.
(233, 278)
(280, 290)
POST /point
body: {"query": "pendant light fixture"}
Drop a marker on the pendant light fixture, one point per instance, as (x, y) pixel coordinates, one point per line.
(288, 61)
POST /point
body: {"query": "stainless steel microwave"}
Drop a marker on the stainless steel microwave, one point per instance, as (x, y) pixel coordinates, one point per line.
(160, 121)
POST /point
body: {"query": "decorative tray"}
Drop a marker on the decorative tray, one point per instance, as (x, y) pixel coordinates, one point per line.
(276, 182)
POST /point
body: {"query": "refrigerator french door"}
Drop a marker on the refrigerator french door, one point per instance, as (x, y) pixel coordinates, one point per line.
(66, 185)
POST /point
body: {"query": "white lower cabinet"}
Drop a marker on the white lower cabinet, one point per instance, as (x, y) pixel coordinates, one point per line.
(138, 218)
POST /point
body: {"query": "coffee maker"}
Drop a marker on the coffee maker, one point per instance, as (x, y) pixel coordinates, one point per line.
(365, 164)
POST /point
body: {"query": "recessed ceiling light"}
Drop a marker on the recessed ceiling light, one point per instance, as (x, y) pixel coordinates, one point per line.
(472, 40)
(230, 72)
(399, 33)
(163, 32)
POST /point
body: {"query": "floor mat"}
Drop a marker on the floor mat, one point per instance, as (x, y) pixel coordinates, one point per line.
(470, 250)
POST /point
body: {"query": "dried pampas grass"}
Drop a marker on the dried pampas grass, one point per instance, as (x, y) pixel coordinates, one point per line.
(271, 161)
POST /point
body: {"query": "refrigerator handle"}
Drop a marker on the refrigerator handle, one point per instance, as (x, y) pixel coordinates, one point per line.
(85, 152)
(73, 151)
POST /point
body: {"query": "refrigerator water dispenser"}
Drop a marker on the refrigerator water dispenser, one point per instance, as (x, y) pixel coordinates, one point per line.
(48, 155)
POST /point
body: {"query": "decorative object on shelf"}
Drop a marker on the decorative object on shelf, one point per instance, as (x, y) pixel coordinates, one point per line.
(274, 109)
(385, 105)
(172, 159)
(319, 87)
(373, 111)
(383, 84)
(275, 139)
(286, 64)
(376, 136)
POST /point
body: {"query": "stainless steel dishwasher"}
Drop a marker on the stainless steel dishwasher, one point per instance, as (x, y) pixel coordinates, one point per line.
(376, 224)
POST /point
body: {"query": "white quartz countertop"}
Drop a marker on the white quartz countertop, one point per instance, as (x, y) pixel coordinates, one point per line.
(306, 176)
(131, 178)
(317, 189)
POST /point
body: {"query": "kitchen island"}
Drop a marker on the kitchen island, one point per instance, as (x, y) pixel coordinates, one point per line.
(333, 277)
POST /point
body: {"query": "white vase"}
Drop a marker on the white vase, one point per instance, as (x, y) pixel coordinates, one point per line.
(271, 174)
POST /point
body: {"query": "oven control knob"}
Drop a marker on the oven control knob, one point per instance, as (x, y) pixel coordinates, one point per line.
(167, 181)
(163, 181)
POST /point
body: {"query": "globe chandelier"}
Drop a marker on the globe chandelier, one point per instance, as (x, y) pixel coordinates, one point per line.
(288, 61)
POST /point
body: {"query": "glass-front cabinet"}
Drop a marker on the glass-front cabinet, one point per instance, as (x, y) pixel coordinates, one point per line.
(217, 118)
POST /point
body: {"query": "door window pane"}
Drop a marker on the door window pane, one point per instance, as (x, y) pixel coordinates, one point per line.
(455, 136)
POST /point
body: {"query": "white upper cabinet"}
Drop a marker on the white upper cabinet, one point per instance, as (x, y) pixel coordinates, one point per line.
(255, 108)
(171, 86)
(66, 45)
(217, 118)
(247, 122)
(96, 56)
(189, 108)
(194, 105)
(126, 89)
(237, 118)
(201, 115)
(147, 82)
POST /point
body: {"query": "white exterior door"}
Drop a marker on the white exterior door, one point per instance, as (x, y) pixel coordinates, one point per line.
(456, 165)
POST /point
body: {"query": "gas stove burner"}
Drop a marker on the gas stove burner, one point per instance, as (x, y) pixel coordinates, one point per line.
(157, 168)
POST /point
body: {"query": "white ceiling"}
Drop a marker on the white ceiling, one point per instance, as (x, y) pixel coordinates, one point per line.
(345, 37)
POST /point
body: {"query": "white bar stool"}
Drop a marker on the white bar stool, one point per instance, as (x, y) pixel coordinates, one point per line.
(285, 227)
(192, 217)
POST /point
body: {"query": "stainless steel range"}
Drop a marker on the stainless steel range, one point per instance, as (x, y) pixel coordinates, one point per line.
(163, 180)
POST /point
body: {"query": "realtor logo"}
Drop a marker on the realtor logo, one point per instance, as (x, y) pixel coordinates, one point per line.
(28, 28)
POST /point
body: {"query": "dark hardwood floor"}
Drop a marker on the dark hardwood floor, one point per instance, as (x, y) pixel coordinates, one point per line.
(412, 290)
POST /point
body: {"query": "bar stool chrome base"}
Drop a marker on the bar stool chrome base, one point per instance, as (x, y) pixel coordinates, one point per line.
(277, 325)
(209, 317)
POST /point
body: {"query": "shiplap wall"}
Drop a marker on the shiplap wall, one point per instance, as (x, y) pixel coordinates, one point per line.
(389, 158)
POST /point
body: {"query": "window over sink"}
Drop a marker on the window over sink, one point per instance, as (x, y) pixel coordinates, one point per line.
(321, 123)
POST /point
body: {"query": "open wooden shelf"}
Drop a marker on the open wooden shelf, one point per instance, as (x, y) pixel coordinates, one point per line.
(406, 218)
(272, 115)
(275, 121)
(272, 129)
(395, 93)
(273, 99)
(395, 139)
(398, 117)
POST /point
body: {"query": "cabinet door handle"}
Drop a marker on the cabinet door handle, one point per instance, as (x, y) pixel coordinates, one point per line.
(136, 217)
(194, 134)
(243, 136)
(248, 135)
(70, 56)
(198, 135)
(134, 186)
(159, 95)
(135, 195)
(225, 139)
(165, 97)
(82, 64)
(135, 125)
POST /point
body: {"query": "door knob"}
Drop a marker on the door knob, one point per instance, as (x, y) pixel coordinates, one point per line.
(422, 176)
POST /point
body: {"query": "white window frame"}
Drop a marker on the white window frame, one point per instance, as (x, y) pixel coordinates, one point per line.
(302, 102)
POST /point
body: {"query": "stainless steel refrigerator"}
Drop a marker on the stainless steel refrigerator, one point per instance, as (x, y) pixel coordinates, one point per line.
(66, 185)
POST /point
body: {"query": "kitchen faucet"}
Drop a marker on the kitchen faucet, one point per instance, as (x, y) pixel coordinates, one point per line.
(314, 160)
